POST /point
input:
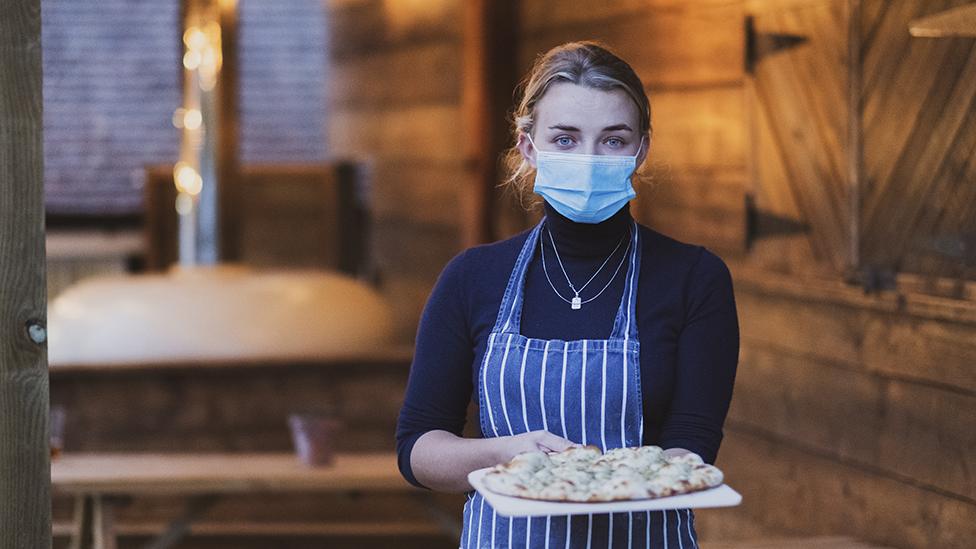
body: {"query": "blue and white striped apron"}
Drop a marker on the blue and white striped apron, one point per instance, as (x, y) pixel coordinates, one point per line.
(587, 391)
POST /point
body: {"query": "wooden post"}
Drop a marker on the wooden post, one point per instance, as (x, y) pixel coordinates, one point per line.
(25, 480)
(490, 73)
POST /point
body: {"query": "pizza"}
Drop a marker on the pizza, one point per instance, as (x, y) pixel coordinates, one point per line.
(585, 474)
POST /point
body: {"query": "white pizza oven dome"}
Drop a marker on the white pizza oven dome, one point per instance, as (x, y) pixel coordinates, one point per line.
(222, 312)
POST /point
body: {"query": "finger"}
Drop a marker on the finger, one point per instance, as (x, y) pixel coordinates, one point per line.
(556, 443)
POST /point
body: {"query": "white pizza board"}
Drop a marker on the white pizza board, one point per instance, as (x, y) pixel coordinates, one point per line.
(720, 496)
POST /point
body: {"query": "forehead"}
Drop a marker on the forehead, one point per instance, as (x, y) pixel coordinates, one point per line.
(569, 104)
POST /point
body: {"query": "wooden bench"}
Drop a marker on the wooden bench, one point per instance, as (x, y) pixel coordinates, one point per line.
(101, 482)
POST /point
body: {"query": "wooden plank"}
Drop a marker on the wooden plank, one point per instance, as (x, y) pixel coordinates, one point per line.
(407, 295)
(706, 189)
(908, 430)
(960, 21)
(371, 25)
(418, 191)
(667, 48)
(25, 511)
(893, 343)
(428, 73)
(226, 408)
(922, 349)
(543, 14)
(699, 127)
(788, 488)
(808, 122)
(397, 251)
(924, 195)
(422, 132)
(928, 435)
(190, 474)
(706, 206)
(722, 230)
(802, 400)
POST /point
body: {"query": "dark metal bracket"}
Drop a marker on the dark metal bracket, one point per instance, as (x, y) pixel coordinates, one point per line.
(761, 224)
(760, 44)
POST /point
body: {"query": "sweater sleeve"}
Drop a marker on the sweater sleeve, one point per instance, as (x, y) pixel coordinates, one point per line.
(708, 354)
(439, 387)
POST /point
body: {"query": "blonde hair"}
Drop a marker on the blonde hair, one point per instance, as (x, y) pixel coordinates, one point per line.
(585, 63)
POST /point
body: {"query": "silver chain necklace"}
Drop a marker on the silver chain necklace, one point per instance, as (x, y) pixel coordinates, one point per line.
(576, 302)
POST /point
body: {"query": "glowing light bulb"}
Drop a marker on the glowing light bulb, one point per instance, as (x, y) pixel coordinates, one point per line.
(191, 60)
(192, 119)
(187, 179)
(195, 38)
(184, 204)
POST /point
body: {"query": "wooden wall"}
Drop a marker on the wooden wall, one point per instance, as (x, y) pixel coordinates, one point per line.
(853, 412)
(395, 104)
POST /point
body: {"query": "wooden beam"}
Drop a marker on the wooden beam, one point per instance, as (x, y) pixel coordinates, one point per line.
(490, 73)
(959, 21)
(25, 505)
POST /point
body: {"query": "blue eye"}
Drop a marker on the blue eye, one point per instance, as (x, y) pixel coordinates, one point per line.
(615, 142)
(564, 141)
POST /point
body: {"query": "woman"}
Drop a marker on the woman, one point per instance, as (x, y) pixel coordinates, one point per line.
(587, 329)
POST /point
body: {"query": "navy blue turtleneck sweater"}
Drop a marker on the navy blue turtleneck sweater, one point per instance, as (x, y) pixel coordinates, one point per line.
(687, 327)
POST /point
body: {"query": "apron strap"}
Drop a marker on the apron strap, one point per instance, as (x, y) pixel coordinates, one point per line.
(625, 323)
(510, 311)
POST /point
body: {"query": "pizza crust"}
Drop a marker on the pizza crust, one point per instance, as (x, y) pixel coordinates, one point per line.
(584, 474)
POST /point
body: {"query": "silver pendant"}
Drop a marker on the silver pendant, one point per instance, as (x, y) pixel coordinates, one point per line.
(577, 303)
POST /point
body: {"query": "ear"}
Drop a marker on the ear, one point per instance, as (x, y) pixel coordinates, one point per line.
(644, 150)
(526, 148)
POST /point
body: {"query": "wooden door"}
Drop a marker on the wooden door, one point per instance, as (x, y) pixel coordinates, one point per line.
(25, 505)
(918, 206)
(798, 94)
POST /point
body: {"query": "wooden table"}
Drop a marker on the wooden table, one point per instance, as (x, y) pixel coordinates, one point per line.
(101, 481)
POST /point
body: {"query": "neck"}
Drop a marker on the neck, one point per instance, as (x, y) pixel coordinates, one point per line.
(587, 239)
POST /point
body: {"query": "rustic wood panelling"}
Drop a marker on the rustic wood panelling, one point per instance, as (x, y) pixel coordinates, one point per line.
(809, 402)
(918, 198)
(667, 48)
(806, 493)
(907, 430)
(25, 513)
(920, 339)
(416, 190)
(430, 248)
(363, 26)
(542, 14)
(699, 127)
(200, 408)
(395, 105)
(401, 77)
(421, 132)
(803, 94)
(697, 167)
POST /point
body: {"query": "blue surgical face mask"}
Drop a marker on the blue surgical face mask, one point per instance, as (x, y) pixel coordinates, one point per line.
(586, 188)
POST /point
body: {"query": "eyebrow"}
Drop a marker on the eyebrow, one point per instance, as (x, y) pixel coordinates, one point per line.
(613, 128)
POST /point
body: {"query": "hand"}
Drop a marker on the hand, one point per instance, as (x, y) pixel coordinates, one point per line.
(508, 447)
(676, 452)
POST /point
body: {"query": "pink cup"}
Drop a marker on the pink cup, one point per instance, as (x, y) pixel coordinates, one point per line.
(314, 436)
